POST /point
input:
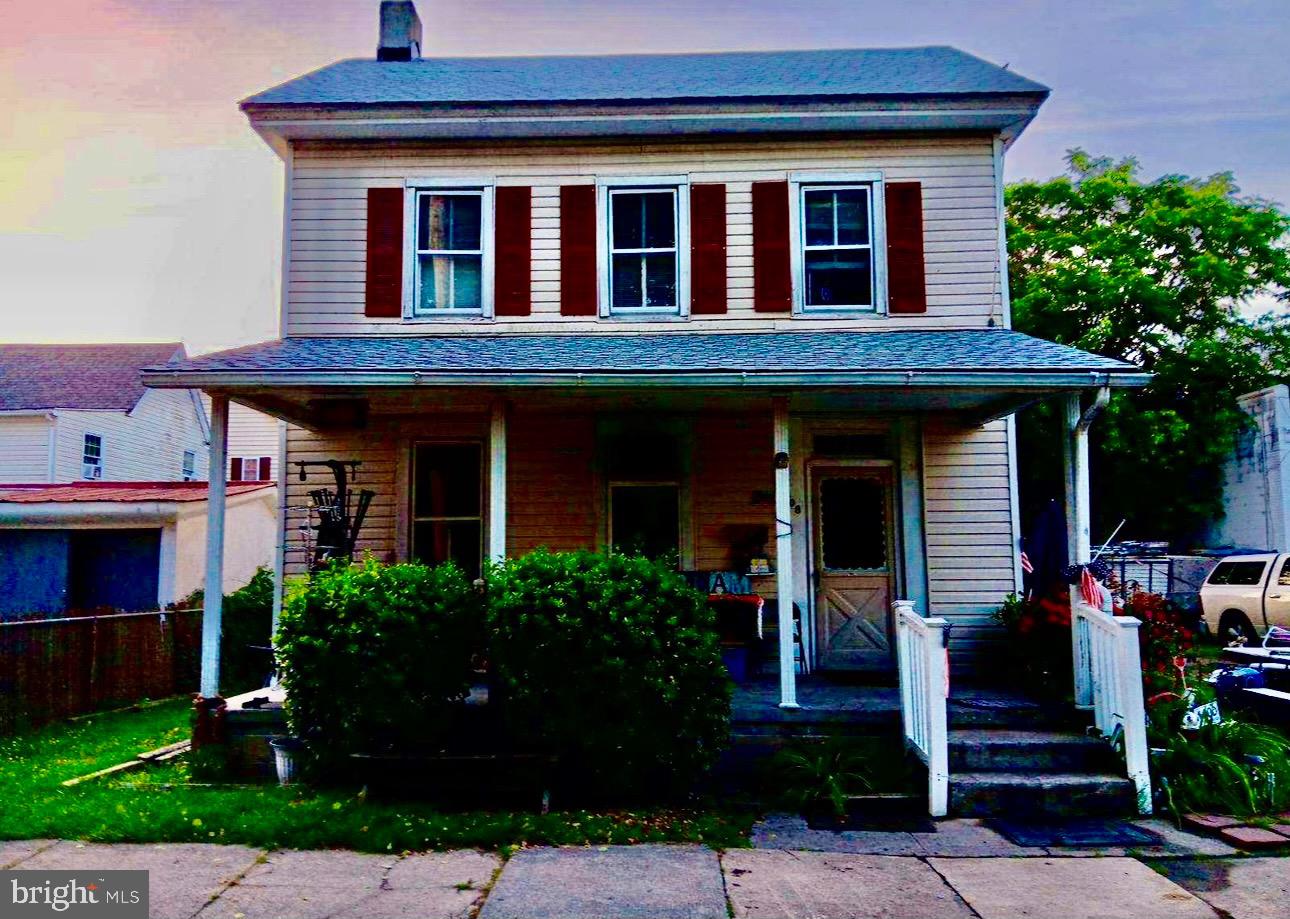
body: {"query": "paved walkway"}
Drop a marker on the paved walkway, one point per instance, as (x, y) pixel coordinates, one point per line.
(661, 882)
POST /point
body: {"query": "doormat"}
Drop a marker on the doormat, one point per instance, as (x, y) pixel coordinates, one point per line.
(1075, 834)
(890, 823)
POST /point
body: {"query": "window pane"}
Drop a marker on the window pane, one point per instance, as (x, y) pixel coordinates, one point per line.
(853, 216)
(629, 232)
(1239, 574)
(643, 220)
(660, 280)
(434, 542)
(819, 218)
(626, 281)
(841, 277)
(450, 282)
(446, 480)
(660, 223)
(853, 524)
(646, 520)
(449, 222)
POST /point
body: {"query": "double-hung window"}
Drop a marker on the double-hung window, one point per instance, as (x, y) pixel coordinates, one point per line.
(645, 226)
(92, 457)
(188, 466)
(449, 276)
(447, 504)
(837, 231)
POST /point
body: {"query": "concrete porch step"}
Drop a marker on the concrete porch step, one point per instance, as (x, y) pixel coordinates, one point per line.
(1026, 751)
(1022, 795)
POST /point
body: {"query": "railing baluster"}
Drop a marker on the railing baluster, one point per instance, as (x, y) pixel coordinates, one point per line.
(921, 657)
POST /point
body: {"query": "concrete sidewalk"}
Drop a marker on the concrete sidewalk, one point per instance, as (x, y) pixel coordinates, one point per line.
(660, 882)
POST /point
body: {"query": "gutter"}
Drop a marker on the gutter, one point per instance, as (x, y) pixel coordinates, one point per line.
(112, 513)
(1061, 379)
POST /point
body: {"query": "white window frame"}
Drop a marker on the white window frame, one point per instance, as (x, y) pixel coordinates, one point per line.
(250, 463)
(799, 183)
(414, 188)
(679, 185)
(187, 469)
(85, 443)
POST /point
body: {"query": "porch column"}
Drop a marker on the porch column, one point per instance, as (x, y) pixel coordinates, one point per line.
(784, 556)
(497, 483)
(1076, 422)
(213, 605)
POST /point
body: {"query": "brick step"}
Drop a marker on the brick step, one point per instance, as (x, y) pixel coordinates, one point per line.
(1026, 795)
(1027, 751)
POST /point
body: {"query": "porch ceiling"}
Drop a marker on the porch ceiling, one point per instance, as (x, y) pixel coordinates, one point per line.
(334, 381)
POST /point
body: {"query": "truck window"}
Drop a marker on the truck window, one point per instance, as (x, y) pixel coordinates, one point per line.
(1284, 578)
(1239, 574)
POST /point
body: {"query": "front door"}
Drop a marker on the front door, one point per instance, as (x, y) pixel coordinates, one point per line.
(853, 561)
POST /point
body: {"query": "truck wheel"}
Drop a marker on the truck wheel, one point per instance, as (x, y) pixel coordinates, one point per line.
(1234, 624)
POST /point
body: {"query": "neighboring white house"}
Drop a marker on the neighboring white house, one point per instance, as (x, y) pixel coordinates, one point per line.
(79, 413)
(254, 444)
(1256, 480)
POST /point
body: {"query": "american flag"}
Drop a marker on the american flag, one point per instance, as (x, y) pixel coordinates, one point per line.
(1026, 565)
(1089, 589)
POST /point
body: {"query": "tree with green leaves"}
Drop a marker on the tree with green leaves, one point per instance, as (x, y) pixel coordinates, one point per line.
(1182, 276)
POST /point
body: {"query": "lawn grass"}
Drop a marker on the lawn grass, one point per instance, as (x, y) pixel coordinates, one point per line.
(158, 804)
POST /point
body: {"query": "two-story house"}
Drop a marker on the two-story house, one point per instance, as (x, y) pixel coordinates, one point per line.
(738, 308)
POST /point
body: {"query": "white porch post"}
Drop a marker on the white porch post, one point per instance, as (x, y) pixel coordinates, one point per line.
(214, 588)
(497, 483)
(784, 556)
(1076, 423)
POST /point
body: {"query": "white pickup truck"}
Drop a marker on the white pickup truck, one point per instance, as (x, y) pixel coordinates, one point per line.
(1245, 595)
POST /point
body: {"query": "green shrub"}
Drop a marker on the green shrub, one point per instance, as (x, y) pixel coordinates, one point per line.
(612, 663)
(375, 658)
(245, 624)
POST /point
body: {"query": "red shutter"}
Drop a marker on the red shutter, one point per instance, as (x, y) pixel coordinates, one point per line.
(772, 273)
(384, 253)
(578, 279)
(235, 469)
(266, 469)
(906, 273)
(707, 249)
(512, 260)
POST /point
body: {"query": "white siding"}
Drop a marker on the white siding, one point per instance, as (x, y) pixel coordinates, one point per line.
(328, 222)
(250, 433)
(24, 449)
(146, 444)
(969, 527)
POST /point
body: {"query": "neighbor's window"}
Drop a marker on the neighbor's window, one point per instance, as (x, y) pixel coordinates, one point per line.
(92, 457)
(643, 261)
(645, 518)
(188, 469)
(1238, 574)
(837, 247)
(450, 252)
(447, 505)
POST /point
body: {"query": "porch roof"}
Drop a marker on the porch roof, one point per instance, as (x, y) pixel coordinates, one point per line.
(975, 358)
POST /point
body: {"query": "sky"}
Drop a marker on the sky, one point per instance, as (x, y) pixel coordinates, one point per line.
(136, 204)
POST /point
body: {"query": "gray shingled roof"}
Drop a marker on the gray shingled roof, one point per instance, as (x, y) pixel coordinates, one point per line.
(601, 352)
(847, 72)
(106, 376)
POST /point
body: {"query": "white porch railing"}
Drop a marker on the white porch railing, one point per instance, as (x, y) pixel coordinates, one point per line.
(922, 651)
(1108, 679)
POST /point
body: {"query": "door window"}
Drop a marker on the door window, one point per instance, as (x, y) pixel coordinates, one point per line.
(853, 524)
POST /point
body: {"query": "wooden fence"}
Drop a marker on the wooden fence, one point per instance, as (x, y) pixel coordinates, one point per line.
(54, 668)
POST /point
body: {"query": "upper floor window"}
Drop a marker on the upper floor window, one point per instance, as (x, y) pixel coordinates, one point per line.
(838, 268)
(188, 467)
(643, 258)
(92, 457)
(449, 276)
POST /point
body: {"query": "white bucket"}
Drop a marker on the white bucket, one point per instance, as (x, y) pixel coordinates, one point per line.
(284, 758)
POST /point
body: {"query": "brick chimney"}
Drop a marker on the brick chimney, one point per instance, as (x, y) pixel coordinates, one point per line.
(400, 31)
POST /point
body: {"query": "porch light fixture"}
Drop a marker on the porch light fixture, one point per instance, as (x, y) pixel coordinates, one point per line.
(781, 460)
